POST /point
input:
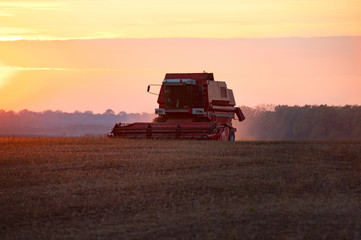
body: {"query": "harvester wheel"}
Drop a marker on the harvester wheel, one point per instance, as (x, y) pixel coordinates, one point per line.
(231, 136)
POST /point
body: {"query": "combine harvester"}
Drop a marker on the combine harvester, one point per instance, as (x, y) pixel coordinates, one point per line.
(191, 106)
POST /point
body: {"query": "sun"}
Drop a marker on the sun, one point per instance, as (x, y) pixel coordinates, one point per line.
(6, 73)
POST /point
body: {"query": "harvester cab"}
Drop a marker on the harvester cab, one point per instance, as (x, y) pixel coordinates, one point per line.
(191, 106)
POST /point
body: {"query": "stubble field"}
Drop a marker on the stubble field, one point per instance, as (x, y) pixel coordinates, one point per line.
(98, 188)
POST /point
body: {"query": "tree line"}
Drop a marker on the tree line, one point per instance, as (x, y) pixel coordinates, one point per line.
(262, 122)
(306, 122)
(58, 123)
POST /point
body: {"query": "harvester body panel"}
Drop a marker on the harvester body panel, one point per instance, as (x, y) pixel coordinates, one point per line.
(191, 106)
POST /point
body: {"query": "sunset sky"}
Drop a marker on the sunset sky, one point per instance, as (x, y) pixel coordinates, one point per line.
(93, 55)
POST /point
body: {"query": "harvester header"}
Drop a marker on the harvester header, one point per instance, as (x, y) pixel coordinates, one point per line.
(191, 106)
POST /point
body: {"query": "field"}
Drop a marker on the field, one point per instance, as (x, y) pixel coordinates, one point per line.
(98, 188)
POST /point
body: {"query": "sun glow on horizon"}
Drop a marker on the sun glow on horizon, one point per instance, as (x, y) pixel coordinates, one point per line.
(6, 73)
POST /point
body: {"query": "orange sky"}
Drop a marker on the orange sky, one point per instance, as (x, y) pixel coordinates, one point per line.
(88, 19)
(280, 52)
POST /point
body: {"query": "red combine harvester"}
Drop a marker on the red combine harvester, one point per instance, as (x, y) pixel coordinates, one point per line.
(191, 106)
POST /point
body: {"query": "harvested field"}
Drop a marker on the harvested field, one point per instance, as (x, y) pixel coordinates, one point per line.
(96, 188)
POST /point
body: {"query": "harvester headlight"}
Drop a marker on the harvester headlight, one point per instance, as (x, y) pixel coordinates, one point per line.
(160, 111)
(198, 111)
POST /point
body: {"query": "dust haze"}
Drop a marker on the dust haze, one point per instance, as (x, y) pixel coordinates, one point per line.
(262, 122)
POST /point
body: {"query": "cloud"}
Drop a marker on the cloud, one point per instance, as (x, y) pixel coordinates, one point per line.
(8, 72)
(8, 10)
(4, 13)
(34, 5)
(87, 19)
(15, 30)
(17, 68)
(16, 33)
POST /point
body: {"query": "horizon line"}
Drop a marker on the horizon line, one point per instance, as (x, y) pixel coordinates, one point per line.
(270, 105)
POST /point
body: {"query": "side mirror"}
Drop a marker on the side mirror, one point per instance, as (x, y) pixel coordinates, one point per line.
(148, 88)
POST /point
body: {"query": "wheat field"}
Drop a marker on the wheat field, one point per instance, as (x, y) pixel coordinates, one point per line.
(99, 188)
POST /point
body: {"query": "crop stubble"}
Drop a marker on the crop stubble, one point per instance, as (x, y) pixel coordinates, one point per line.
(96, 188)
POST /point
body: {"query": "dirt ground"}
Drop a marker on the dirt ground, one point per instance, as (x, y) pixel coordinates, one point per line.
(98, 188)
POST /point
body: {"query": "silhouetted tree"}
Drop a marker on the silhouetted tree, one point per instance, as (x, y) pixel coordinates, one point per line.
(109, 112)
(307, 122)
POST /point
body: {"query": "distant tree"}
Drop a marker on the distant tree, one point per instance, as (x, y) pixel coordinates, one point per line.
(122, 113)
(109, 112)
(265, 107)
(24, 111)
